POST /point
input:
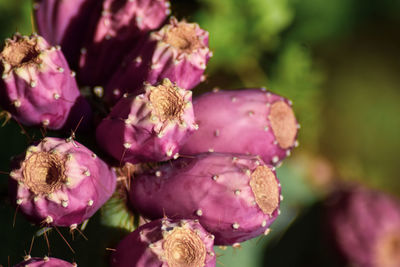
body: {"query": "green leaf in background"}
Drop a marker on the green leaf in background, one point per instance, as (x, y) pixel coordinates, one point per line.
(15, 16)
(241, 30)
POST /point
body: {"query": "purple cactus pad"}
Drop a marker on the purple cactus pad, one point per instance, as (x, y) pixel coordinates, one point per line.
(150, 126)
(234, 197)
(37, 86)
(364, 227)
(166, 242)
(179, 52)
(45, 262)
(250, 121)
(60, 182)
(120, 26)
(65, 23)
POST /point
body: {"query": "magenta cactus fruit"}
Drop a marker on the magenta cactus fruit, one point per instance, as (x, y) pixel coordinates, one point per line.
(116, 32)
(65, 23)
(37, 86)
(166, 242)
(44, 262)
(150, 126)
(250, 121)
(364, 227)
(60, 182)
(234, 197)
(179, 52)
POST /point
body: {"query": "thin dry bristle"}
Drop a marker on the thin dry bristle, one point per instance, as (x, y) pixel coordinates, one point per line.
(30, 248)
(65, 240)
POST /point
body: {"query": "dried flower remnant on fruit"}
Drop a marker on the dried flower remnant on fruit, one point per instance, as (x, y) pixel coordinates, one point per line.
(283, 123)
(167, 103)
(44, 173)
(23, 51)
(265, 188)
(184, 248)
(183, 37)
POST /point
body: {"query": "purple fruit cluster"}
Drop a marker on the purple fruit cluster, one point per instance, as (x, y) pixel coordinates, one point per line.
(205, 169)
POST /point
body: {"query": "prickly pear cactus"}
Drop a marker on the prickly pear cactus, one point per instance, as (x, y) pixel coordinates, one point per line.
(60, 183)
(178, 51)
(150, 126)
(119, 144)
(37, 85)
(166, 242)
(235, 197)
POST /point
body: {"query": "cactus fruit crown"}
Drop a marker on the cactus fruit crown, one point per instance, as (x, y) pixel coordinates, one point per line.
(265, 189)
(21, 51)
(166, 101)
(388, 249)
(183, 36)
(44, 173)
(184, 248)
(283, 123)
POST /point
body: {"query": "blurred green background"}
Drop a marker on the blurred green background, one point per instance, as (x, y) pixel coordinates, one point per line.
(337, 60)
